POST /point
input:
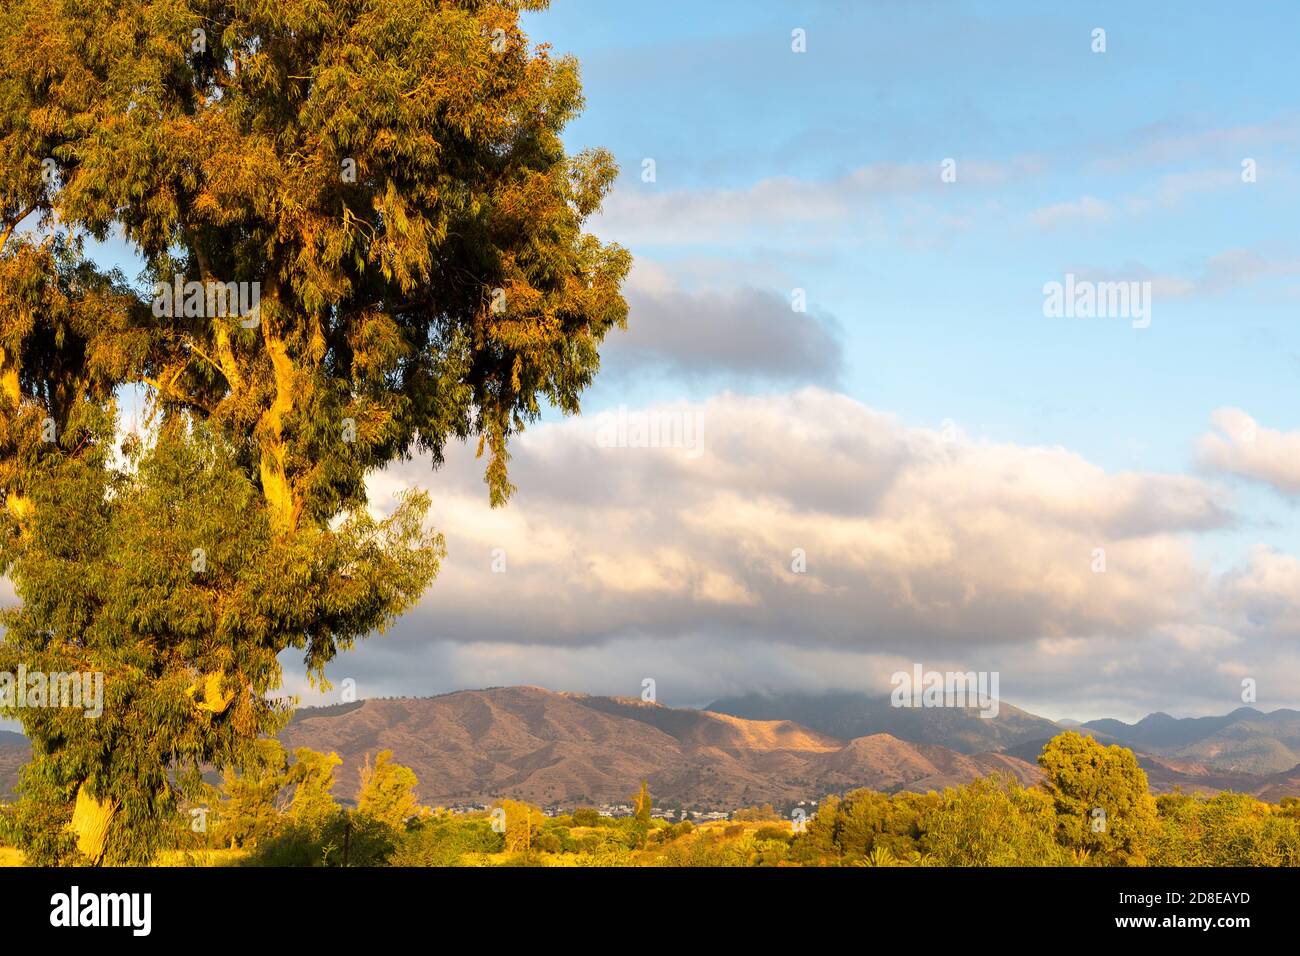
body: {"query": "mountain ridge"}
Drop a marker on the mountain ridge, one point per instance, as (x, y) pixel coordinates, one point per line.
(569, 748)
(849, 714)
(557, 748)
(1246, 740)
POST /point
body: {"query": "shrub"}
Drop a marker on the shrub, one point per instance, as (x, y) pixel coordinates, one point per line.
(586, 817)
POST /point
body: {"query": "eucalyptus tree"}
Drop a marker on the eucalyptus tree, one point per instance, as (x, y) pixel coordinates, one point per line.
(363, 238)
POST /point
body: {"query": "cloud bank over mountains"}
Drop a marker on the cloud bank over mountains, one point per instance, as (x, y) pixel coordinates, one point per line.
(916, 544)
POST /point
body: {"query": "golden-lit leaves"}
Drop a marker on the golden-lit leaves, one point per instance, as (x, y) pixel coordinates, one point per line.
(379, 168)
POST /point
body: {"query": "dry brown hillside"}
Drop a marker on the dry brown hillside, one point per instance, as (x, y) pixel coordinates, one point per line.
(559, 748)
(552, 748)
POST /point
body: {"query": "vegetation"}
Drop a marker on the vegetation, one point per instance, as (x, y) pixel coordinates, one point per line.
(387, 790)
(1100, 796)
(362, 238)
(277, 814)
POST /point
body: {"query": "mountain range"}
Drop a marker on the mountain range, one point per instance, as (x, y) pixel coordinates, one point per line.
(847, 715)
(566, 749)
(1244, 741)
(559, 748)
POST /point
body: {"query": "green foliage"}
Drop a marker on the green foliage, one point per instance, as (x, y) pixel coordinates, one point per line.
(880, 856)
(853, 826)
(38, 823)
(387, 791)
(248, 809)
(764, 813)
(523, 821)
(400, 191)
(676, 830)
(586, 817)
(993, 821)
(446, 841)
(667, 833)
(548, 842)
(820, 840)
(1230, 829)
(315, 830)
(1103, 806)
(339, 839)
(312, 777)
(642, 805)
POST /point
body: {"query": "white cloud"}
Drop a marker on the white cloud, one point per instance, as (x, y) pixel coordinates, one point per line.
(1217, 275)
(908, 537)
(625, 563)
(1241, 446)
(1266, 592)
(1085, 209)
(1166, 192)
(659, 213)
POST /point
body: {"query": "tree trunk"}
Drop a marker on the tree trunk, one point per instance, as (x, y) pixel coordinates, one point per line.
(91, 819)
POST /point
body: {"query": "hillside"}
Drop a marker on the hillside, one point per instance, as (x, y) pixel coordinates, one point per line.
(563, 748)
(14, 751)
(846, 715)
(1244, 741)
(553, 748)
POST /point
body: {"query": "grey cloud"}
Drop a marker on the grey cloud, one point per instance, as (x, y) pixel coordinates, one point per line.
(741, 334)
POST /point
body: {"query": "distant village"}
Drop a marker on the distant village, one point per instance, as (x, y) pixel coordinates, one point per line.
(616, 810)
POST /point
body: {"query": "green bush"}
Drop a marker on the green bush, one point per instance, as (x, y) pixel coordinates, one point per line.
(586, 817)
(778, 833)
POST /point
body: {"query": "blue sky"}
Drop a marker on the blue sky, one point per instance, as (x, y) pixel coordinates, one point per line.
(943, 321)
